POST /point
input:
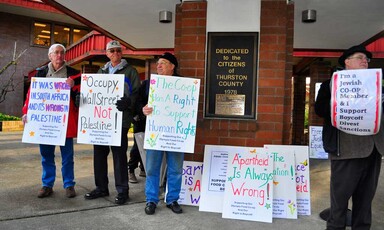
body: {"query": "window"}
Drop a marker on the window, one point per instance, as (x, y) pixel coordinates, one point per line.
(45, 34)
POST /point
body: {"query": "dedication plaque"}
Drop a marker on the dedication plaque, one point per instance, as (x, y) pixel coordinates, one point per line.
(227, 104)
(231, 83)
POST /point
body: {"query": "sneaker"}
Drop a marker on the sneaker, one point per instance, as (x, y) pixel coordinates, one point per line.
(142, 173)
(132, 178)
(44, 192)
(150, 208)
(70, 192)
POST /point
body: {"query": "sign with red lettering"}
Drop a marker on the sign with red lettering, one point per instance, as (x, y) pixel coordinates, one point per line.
(356, 101)
(99, 120)
(48, 109)
(248, 191)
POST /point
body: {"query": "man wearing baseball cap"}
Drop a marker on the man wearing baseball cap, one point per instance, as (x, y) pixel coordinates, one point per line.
(355, 160)
(116, 65)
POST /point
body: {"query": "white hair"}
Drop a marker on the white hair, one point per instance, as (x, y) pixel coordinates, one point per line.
(54, 46)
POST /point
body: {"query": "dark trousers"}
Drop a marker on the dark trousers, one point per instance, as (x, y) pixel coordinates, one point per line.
(100, 164)
(134, 158)
(356, 178)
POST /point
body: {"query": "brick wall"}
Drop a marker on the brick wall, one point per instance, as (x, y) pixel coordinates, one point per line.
(17, 28)
(274, 77)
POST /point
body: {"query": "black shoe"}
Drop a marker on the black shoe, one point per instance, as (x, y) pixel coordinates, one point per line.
(175, 207)
(150, 208)
(96, 194)
(121, 198)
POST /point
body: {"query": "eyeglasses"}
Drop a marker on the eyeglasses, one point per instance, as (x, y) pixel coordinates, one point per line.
(114, 50)
(361, 58)
(162, 63)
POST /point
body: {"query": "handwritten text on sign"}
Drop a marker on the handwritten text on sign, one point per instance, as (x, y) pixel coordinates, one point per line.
(99, 120)
(47, 111)
(248, 191)
(172, 124)
(356, 101)
(191, 183)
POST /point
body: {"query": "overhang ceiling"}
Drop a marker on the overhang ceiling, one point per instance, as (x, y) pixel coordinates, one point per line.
(340, 23)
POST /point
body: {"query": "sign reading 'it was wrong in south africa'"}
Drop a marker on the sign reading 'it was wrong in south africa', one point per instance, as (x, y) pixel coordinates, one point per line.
(48, 110)
(99, 120)
(172, 124)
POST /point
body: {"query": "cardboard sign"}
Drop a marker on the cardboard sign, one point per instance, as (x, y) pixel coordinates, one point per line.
(302, 177)
(316, 149)
(48, 109)
(191, 183)
(356, 101)
(99, 120)
(172, 124)
(248, 191)
(284, 184)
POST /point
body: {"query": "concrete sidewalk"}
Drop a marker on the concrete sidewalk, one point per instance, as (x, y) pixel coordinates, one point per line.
(20, 179)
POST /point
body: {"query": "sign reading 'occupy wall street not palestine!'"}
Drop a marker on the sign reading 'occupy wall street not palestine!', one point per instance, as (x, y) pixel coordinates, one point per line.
(356, 101)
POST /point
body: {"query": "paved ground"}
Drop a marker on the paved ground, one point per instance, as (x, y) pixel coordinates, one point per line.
(20, 173)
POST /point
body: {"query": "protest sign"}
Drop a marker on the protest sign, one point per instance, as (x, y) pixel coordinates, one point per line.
(99, 120)
(284, 184)
(356, 101)
(172, 124)
(248, 191)
(191, 183)
(302, 177)
(48, 109)
(214, 177)
(316, 149)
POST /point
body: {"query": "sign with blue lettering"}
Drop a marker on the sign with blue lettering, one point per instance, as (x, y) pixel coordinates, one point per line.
(48, 109)
(172, 124)
(99, 120)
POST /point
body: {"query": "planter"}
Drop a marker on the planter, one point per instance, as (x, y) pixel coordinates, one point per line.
(10, 126)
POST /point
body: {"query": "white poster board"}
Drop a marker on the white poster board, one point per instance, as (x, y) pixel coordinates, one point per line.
(248, 191)
(284, 184)
(316, 149)
(214, 177)
(191, 183)
(172, 124)
(99, 120)
(47, 114)
(356, 101)
(302, 177)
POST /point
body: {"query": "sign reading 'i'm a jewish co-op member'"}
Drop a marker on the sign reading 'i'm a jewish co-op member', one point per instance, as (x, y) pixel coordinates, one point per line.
(172, 124)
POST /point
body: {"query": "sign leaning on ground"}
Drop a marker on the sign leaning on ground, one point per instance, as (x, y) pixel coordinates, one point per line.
(99, 120)
(48, 109)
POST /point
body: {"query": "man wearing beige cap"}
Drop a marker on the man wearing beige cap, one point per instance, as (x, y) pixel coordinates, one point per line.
(116, 65)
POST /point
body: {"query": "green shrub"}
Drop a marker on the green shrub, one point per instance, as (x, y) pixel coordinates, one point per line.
(4, 117)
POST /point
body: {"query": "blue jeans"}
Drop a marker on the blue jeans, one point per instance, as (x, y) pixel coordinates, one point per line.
(174, 175)
(49, 168)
